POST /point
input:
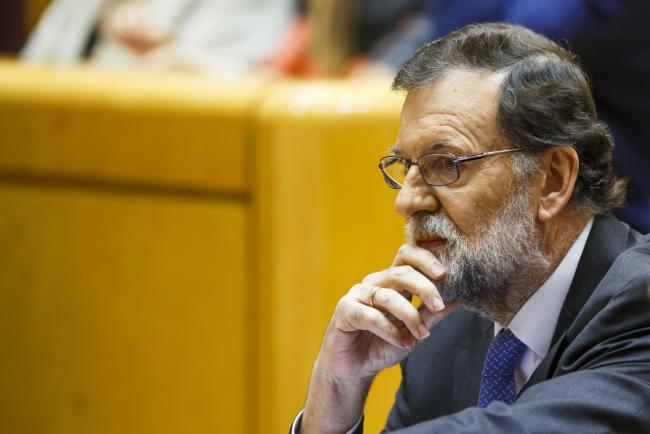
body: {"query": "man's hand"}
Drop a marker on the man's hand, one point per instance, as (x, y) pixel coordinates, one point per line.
(373, 327)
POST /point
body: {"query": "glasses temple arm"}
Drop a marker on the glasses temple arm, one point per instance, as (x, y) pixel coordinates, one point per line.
(488, 154)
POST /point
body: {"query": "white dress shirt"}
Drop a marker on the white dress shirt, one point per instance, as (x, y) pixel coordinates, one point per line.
(534, 324)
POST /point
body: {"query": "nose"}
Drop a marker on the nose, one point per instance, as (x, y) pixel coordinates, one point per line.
(416, 195)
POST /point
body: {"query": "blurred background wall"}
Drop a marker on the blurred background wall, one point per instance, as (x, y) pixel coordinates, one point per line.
(173, 247)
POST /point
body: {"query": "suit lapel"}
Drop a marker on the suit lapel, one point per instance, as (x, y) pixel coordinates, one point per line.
(468, 367)
(608, 238)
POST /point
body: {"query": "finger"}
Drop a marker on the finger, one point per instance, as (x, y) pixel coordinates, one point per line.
(421, 259)
(357, 316)
(363, 293)
(430, 319)
(390, 301)
(406, 278)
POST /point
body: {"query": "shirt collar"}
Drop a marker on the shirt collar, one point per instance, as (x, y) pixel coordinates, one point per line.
(534, 324)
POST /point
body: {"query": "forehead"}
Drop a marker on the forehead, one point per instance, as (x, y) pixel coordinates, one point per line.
(459, 111)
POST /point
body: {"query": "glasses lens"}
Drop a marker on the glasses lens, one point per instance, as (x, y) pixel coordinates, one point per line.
(438, 169)
(394, 170)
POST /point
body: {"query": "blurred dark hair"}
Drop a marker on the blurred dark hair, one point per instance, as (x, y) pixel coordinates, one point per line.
(545, 99)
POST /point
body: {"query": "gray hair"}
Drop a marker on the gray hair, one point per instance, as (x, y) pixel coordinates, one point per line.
(545, 100)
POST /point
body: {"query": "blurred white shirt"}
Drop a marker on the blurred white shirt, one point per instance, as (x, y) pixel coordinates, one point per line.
(234, 34)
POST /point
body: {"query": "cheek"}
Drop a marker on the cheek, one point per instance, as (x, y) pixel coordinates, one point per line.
(470, 208)
(473, 203)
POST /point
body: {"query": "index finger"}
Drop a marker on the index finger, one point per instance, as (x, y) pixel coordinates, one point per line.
(421, 259)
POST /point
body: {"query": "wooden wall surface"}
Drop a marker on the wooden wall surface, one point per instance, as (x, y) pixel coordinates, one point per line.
(173, 247)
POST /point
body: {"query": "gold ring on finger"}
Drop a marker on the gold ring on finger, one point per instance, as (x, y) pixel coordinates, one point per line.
(372, 296)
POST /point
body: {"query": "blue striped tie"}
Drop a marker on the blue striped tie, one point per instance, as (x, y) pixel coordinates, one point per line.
(498, 379)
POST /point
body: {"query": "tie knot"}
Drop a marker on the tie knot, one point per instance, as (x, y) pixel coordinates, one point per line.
(504, 354)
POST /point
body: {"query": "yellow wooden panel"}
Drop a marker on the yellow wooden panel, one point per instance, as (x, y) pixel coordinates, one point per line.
(138, 128)
(121, 312)
(325, 220)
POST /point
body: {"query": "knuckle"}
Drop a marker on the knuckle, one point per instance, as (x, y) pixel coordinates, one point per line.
(381, 296)
(370, 277)
(359, 316)
(353, 317)
(344, 303)
(356, 289)
(401, 270)
(373, 320)
(403, 249)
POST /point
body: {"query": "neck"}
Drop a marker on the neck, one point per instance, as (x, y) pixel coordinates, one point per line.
(556, 239)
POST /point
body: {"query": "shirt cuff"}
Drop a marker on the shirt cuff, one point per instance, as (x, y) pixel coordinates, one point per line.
(295, 426)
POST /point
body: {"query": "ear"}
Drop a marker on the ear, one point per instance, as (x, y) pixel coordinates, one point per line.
(560, 171)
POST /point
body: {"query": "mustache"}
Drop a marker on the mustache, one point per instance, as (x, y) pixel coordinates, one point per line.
(424, 225)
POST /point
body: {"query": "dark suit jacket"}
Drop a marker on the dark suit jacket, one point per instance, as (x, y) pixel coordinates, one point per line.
(595, 378)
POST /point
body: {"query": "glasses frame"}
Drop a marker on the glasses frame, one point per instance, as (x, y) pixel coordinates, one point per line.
(455, 160)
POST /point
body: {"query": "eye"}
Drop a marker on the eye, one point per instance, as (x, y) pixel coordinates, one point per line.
(449, 164)
(439, 169)
(440, 163)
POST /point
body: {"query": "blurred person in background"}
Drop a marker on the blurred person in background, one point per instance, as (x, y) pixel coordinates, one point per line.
(288, 37)
(389, 32)
(613, 43)
(352, 37)
(215, 36)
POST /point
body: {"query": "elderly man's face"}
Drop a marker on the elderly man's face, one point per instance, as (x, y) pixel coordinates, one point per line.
(483, 227)
(458, 115)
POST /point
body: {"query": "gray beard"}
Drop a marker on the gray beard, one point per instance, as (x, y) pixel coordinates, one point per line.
(494, 273)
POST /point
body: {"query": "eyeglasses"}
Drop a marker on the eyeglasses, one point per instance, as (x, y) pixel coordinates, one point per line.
(436, 169)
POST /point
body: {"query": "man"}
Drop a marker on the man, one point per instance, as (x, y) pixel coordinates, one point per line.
(534, 316)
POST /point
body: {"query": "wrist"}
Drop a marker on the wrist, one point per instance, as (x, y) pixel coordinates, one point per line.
(333, 405)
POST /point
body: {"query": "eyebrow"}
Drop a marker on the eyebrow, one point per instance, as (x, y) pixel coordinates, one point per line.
(396, 150)
(439, 146)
